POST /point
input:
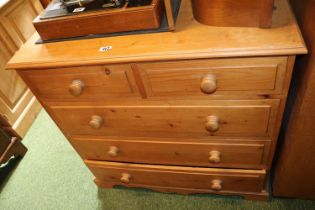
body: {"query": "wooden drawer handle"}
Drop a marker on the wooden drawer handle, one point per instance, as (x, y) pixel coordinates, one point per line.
(113, 151)
(76, 87)
(216, 185)
(213, 123)
(208, 84)
(125, 178)
(215, 157)
(96, 121)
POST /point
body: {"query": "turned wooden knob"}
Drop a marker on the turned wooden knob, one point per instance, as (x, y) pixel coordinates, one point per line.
(216, 184)
(113, 151)
(125, 178)
(208, 84)
(76, 87)
(213, 123)
(96, 121)
(214, 157)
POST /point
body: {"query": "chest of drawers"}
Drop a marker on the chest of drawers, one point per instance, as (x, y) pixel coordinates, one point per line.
(194, 111)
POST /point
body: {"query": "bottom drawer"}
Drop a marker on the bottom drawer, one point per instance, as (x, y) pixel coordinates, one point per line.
(137, 175)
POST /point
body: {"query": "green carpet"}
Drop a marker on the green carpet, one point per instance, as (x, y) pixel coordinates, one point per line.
(52, 176)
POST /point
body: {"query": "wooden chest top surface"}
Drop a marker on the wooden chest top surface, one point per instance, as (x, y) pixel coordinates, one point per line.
(191, 40)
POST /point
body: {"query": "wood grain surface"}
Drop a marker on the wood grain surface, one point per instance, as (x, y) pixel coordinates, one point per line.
(101, 21)
(242, 13)
(295, 169)
(100, 82)
(17, 104)
(190, 40)
(236, 118)
(232, 154)
(233, 76)
(171, 97)
(180, 177)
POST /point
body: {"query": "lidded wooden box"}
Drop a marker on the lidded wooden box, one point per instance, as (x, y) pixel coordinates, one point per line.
(100, 21)
(240, 13)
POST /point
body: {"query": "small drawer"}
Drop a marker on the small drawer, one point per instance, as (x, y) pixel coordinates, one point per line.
(82, 83)
(215, 118)
(136, 175)
(215, 77)
(227, 154)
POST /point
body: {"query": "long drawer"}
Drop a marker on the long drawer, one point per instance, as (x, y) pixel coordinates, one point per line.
(216, 118)
(83, 83)
(214, 77)
(136, 175)
(227, 154)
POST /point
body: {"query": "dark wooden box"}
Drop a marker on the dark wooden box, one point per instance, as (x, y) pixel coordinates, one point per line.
(238, 13)
(101, 22)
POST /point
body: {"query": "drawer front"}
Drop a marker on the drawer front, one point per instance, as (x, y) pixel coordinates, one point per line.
(82, 83)
(206, 78)
(232, 155)
(178, 177)
(218, 118)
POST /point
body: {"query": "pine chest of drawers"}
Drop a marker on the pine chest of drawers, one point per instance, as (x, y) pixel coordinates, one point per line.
(194, 111)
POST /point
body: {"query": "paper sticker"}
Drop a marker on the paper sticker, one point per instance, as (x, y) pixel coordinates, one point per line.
(105, 49)
(79, 9)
